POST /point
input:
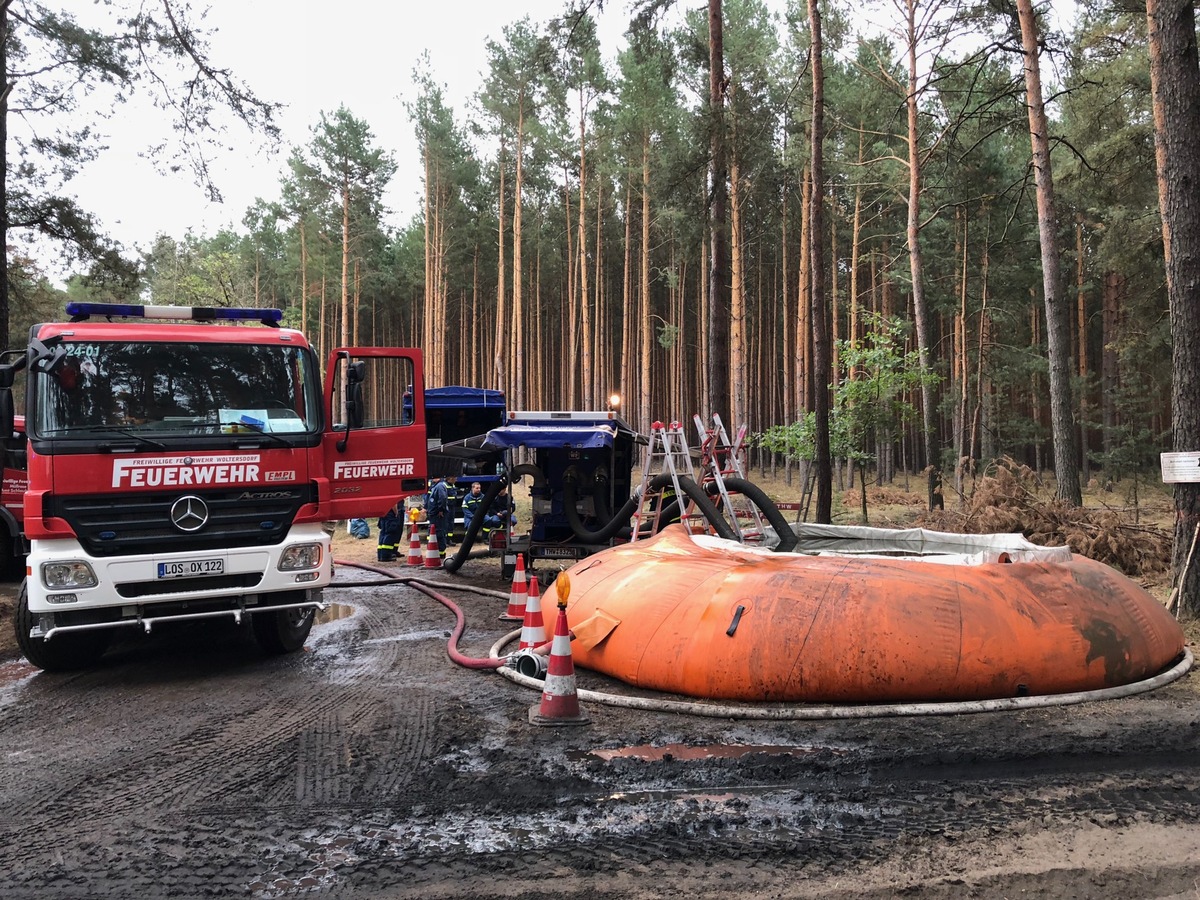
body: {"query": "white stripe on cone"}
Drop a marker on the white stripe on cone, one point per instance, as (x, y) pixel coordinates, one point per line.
(518, 594)
(414, 547)
(433, 556)
(533, 629)
(560, 702)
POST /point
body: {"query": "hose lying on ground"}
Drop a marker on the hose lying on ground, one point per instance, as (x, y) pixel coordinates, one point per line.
(426, 588)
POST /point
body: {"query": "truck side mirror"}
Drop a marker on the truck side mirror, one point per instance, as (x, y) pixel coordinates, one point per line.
(356, 374)
(45, 357)
(355, 407)
(7, 416)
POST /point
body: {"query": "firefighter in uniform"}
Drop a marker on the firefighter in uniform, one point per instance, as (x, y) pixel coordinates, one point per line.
(390, 528)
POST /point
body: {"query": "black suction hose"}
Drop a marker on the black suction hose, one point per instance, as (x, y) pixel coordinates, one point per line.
(516, 473)
(600, 490)
(614, 525)
(755, 494)
(687, 485)
(707, 508)
(454, 563)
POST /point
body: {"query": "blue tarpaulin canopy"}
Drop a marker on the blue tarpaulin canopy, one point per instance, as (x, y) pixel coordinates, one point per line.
(459, 397)
(582, 437)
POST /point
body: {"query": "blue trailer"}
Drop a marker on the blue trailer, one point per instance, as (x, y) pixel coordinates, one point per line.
(457, 420)
(581, 467)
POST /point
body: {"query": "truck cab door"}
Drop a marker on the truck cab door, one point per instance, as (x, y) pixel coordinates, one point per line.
(374, 449)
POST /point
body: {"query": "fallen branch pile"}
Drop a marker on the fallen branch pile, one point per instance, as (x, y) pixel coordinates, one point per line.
(1008, 501)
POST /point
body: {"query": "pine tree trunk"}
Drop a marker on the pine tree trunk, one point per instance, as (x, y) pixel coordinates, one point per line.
(855, 243)
(629, 317)
(1110, 372)
(915, 261)
(304, 281)
(804, 398)
(587, 367)
(1175, 83)
(739, 375)
(783, 375)
(959, 364)
(516, 362)
(345, 265)
(603, 329)
(820, 309)
(645, 412)
(570, 332)
(718, 292)
(1058, 330)
(981, 387)
(427, 298)
(501, 313)
(1082, 354)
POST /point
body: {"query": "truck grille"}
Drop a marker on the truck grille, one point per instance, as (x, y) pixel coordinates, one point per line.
(141, 523)
(134, 589)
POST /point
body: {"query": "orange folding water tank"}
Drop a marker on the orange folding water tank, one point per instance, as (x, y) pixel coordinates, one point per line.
(709, 618)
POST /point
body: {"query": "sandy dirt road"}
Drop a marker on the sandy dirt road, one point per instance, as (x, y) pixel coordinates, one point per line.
(190, 765)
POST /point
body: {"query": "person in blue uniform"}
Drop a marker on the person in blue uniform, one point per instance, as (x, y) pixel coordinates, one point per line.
(438, 508)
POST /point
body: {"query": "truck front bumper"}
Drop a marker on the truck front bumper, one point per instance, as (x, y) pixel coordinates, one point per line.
(134, 591)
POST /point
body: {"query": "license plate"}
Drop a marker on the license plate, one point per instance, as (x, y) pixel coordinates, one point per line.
(191, 568)
(561, 553)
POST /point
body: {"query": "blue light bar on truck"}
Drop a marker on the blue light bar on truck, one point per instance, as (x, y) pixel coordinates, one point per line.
(80, 311)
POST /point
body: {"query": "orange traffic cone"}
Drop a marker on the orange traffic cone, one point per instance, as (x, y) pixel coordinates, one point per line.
(414, 547)
(433, 556)
(560, 702)
(517, 595)
(533, 631)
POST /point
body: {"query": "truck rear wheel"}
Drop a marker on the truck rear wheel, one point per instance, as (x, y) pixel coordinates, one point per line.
(62, 653)
(284, 630)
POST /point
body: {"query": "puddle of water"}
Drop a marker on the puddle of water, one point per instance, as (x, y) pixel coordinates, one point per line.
(18, 670)
(333, 612)
(650, 753)
(332, 855)
(411, 636)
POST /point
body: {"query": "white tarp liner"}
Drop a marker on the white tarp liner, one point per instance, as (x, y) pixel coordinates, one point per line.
(909, 543)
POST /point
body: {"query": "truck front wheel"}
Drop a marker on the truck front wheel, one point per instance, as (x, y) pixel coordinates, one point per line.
(62, 653)
(284, 630)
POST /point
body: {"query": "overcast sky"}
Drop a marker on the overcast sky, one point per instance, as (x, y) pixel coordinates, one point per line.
(312, 56)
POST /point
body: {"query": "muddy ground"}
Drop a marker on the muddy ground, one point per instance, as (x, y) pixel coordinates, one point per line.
(187, 764)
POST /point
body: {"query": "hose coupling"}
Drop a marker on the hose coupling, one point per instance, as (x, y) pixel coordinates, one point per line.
(529, 664)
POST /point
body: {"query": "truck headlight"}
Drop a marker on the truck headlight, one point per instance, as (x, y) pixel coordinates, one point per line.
(71, 573)
(300, 556)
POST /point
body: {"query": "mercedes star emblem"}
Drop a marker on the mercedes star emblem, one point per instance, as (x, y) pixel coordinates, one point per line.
(189, 513)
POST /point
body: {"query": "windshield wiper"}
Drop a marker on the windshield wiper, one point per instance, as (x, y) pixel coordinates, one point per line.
(141, 440)
(259, 430)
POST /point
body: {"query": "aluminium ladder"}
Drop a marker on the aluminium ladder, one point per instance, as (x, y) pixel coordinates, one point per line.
(719, 460)
(666, 454)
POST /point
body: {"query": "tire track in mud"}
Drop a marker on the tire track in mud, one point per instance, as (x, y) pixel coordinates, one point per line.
(829, 823)
(390, 769)
(278, 755)
(390, 646)
(826, 831)
(177, 774)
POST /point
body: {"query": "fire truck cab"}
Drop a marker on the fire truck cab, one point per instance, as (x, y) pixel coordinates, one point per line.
(182, 463)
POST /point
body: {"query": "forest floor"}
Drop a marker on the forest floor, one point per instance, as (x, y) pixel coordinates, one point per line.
(186, 764)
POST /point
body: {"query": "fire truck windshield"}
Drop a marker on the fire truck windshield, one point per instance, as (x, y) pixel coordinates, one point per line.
(162, 389)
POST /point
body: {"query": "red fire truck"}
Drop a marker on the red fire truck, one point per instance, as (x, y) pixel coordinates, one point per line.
(185, 469)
